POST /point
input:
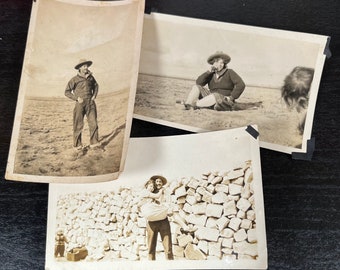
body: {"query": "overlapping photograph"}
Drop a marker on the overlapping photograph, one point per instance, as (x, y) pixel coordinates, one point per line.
(201, 75)
(194, 202)
(77, 90)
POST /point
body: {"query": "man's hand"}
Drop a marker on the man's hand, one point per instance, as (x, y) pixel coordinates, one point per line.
(93, 98)
(229, 100)
(212, 68)
(80, 100)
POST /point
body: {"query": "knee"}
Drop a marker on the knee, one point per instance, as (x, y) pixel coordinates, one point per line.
(195, 88)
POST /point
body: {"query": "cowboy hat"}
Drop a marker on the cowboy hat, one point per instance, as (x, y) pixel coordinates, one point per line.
(164, 181)
(83, 62)
(226, 58)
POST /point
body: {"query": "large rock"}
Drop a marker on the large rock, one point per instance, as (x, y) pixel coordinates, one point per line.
(192, 252)
(180, 192)
(199, 220)
(193, 183)
(203, 246)
(235, 189)
(227, 233)
(191, 199)
(235, 174)
(251, 215)
(214, 210)
(230, 208)
(227, 242)
(246, 224)
(245, 248)
(219, 198)
(208, 234)
(252, 236)
(222, 223)
(240, 235)
(199, 208)
(207, 196)
(243, 204)
(235, 223)
(215, 249)
(211, 222)
(222, 188)
(184, 239)
(216, 180)
(178, 251)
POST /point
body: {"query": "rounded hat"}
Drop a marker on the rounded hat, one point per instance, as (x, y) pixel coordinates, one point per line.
(219, 54)
(83, 62)
(164, 181)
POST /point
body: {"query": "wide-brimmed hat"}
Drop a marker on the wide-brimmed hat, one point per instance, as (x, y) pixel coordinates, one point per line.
(164, 181)
(83, 62)
(219, 54)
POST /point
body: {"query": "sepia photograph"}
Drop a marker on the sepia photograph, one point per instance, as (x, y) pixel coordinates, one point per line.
(77, 90)
(188, 203)
(201, 75)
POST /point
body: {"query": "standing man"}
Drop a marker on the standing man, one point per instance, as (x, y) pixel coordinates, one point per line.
(160, 226)
(60, 241)
(83, 89)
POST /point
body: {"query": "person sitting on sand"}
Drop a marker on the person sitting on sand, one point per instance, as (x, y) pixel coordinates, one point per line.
(217, 88)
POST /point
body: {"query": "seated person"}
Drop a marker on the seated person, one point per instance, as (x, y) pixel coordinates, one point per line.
(217, 88)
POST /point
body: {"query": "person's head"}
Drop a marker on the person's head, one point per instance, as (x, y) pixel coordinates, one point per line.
(60, 232)
(219, 64)
(158, 183)
(295, 90)
(150, 185)
(219, 60)
(83, 65)
(159, 180)
(83, 69)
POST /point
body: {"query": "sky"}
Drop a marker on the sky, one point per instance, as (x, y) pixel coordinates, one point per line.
(179, 47)
(64, 33)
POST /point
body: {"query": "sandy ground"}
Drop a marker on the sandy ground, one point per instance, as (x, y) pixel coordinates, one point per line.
(45, 139)
(156, 98)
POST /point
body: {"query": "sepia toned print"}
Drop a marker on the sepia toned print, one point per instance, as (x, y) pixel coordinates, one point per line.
(77, 89)
(201, 75)
(194, 212)
(208, 218)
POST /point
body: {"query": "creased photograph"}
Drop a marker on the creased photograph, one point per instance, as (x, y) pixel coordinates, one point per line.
(194, 202)
(77, 91)
(201, 75)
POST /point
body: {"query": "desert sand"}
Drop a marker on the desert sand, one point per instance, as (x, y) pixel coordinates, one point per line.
(156, 100)
(45, 144)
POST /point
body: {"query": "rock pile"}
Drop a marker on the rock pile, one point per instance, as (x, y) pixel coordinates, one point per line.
(218, 207)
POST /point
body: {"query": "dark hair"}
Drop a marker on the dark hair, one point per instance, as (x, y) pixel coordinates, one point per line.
(295, 91)
(296, 87)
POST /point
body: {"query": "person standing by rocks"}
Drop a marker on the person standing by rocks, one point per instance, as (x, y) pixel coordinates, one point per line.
(159, 226)
(60, 241)
(83, 89)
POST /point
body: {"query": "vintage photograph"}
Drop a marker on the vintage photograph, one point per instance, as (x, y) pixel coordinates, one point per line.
(201, 75)
(77, 91)
(190, 203)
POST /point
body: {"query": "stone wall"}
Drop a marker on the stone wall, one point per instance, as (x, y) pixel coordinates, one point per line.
(218, 208)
